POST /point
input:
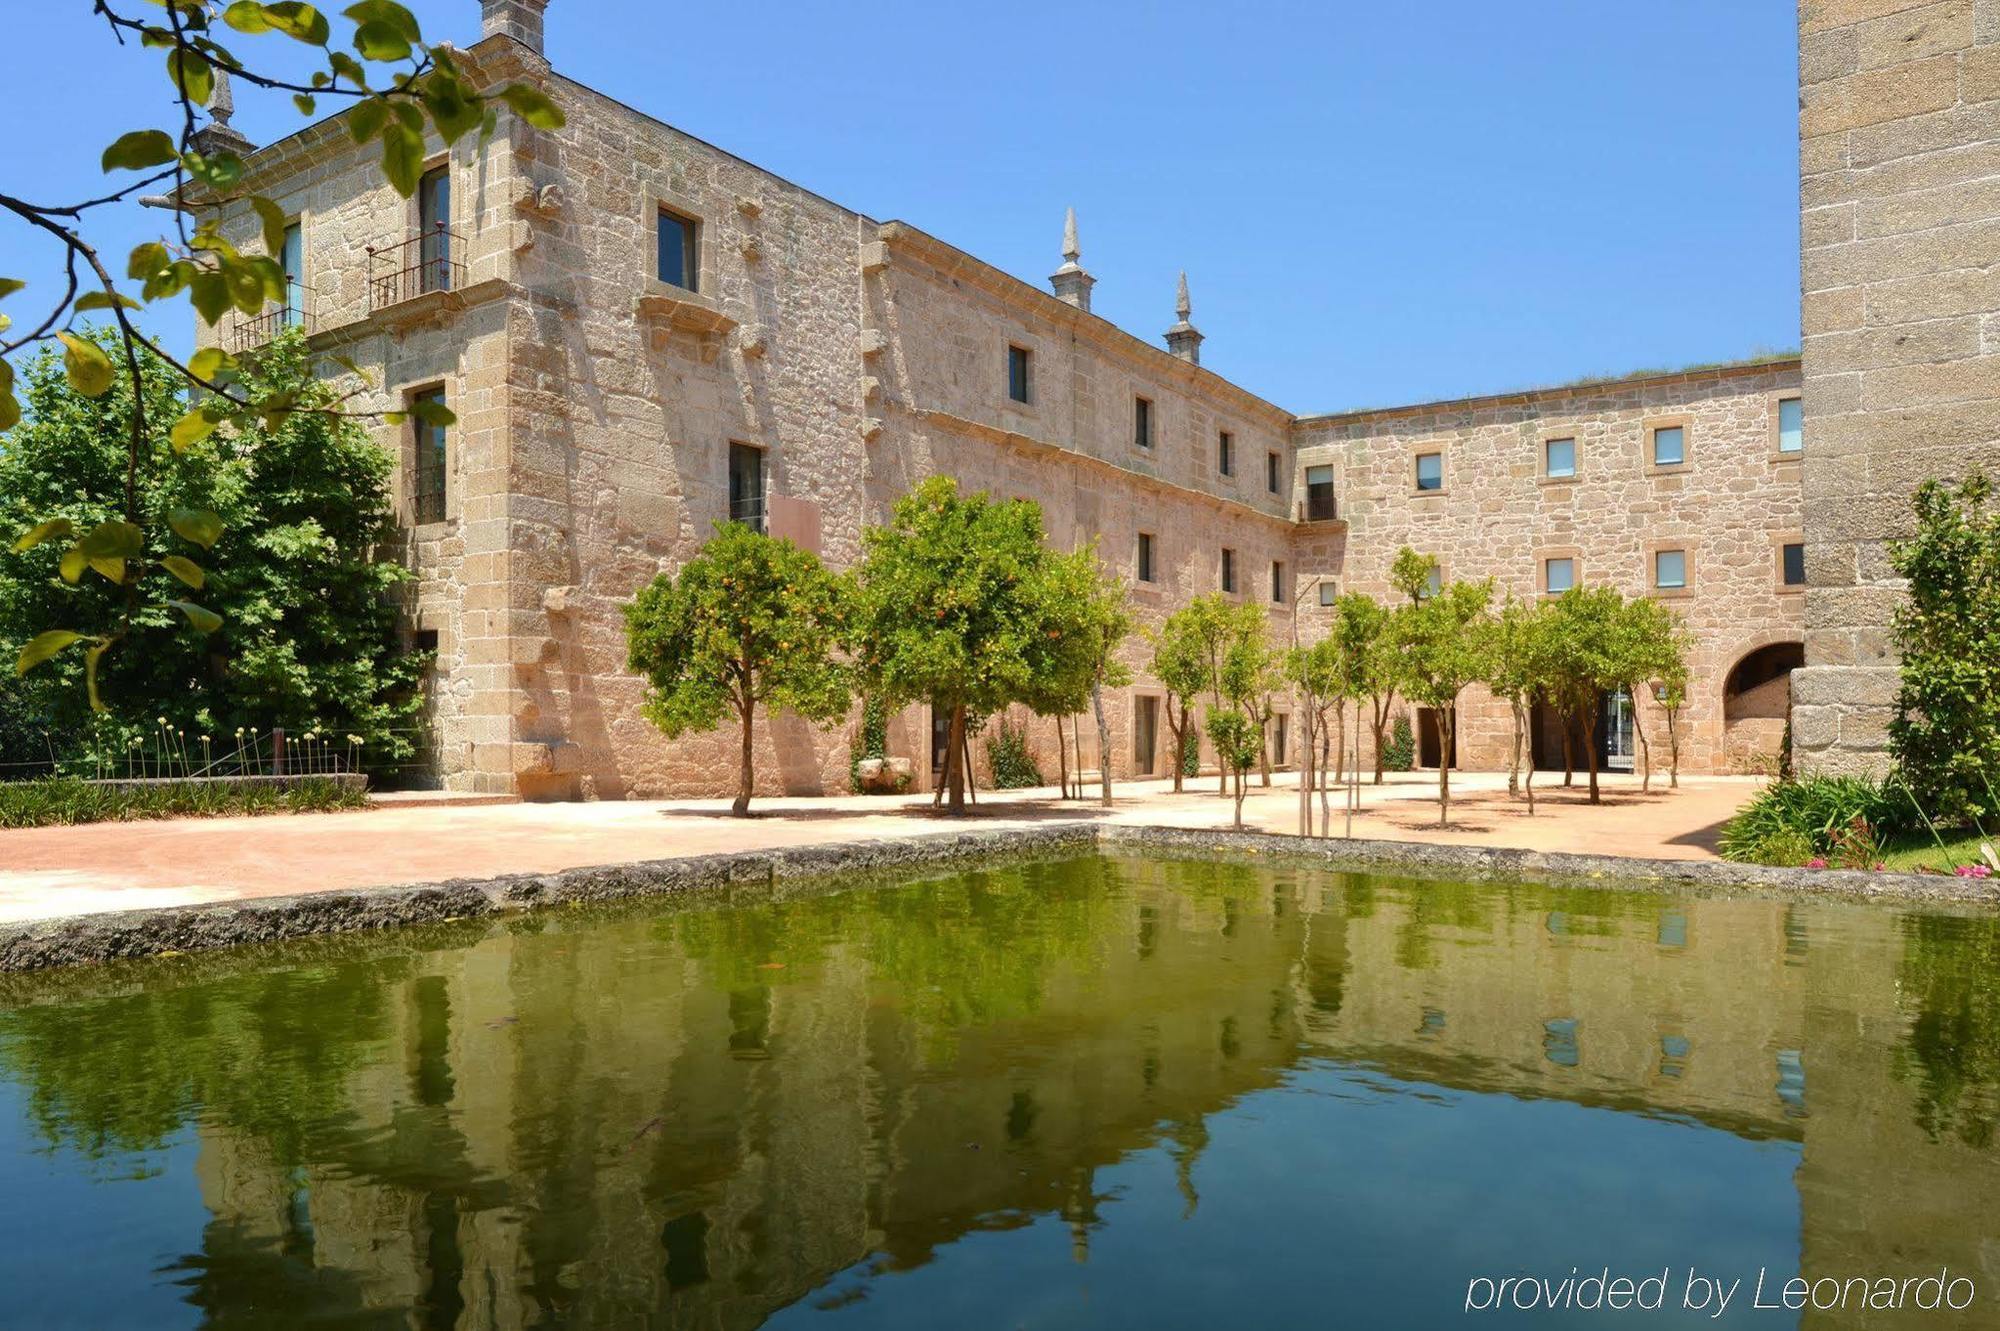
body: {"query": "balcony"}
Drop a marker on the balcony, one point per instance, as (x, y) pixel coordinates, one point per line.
(426, 263)
(247, 334)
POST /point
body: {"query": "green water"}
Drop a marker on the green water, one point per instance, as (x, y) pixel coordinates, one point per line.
(1096, 1092)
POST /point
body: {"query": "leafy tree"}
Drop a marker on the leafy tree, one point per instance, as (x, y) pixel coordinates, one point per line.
(1671, 692)
(1448, 641)
(396, 87)
(1216, 627)
(954, 610)
(1514, 677)
(1236, 742)
(1581, 659)
(1946, 732)
(1181, 666)
(1086, 620)
(1373, 652)
(1325, 675)
(298, 597)
(1410, 573)
(751, 619)
(1648, 649)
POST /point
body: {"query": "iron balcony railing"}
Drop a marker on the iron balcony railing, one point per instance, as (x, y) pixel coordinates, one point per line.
(253, 332)
(428, 261)
(1321, 507)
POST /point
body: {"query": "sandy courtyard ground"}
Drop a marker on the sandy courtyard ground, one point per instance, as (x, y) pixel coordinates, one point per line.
(47, 872)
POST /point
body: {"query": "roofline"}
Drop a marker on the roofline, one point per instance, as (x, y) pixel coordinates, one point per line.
(1741, 369)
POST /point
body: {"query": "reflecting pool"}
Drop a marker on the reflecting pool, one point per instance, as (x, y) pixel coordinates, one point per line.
(1085, 1092)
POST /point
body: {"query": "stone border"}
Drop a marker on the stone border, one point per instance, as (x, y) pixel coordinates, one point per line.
(172, 930)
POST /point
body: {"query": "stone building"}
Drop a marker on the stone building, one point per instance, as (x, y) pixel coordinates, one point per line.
(642, 335)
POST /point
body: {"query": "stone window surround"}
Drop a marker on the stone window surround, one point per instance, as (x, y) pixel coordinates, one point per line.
(1415, 451)
(1232, 586)
(1771, 405)
(657, 199)
(406, 446)
(1544, 553)
(1686, 546)
(413, 207)
(1008, 342)
(1156, 583)
(1779, 540)
(1163, 735)
(1651, 424)
(1328, 587)
(1279, 588)
(1151, 448)
(1542, 441)
(1226, 450)
(1274, 471)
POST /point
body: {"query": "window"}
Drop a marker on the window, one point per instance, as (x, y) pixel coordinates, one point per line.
(1225, 453)
(1430, 471)
(1329, 593)
(1142, 422)
(679, 257)
(1320, 506)
(1277, 580)
(1145, 732)
(1558, 575)
(1669, 445)
(1272, 464)
(427, 495)
(1791, 425)
(746, 486)
(1433, 584)
(1017, 373)
(1146, 556)
(1558, 458)
(1228, 570)
(1670, 569)
(1792, 563)
(434, 230)
(291, 257)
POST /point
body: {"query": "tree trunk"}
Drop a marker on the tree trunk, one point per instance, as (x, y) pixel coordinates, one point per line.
(1179, 732)
(1076, 752)
(1673, 749)
(1264, 748)
(1325, 810)
(1529, 787)
(1240, 773)
(747, 776)
(954, 763)
(1062, 760)
(1567, 720)
(1590, 744)
(971, 777)
(1383, 704)
(1103, 742)
(1445, 722)
(1307, 766)
(1645, 747)
(1515, 709)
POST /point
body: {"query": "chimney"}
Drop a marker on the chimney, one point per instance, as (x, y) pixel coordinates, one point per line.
(1183, 339)
(519, 19)
(1070, 283)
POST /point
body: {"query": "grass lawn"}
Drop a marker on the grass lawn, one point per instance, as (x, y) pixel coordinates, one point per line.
(1914, 850)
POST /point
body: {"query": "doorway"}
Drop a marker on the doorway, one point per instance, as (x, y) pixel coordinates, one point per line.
(1429, 740)
(940, 742)
(1145, 733)
(1620, 746)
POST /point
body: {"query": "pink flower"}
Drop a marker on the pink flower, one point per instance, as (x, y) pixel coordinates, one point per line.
(1973, 871)
(1816, 862)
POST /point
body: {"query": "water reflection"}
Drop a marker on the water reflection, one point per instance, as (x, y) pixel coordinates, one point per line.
(1141, 1091)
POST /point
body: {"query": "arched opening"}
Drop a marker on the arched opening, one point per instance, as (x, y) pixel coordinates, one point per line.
(1756, 700)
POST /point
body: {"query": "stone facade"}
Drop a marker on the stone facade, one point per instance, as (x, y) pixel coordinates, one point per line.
(1899, 195)
(598, 406)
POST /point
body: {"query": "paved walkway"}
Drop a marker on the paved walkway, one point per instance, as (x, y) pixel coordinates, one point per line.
(47, 872)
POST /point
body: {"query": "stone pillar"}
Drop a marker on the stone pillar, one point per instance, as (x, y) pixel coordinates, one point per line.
(519, 19)
(1183, 339)
(1899, 227)
(1070, 283)
(218, 135)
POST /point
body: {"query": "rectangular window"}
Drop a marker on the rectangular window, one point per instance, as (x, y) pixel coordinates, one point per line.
(1559, 457)
(1430, 471)
(746, 486)
(1280, 728)
(434, 230)
(1670, 446)
(1277, 580)
(1225, 453)
(1793, 560)
(1320, 506)
(1791, 425)
(1670, 569)
(1329, 593)
(1558, 575)
(1272, 466)
(1433, 584)
(292, 258)
(1142, 422)
(427, 495)
(679, 257)
(1145, 733)
(1017, 373)
(1145, 556)
(1228, 570)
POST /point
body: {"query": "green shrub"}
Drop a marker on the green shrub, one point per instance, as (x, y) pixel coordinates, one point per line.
(1400, 753)
(874, 741)
(1840, 818)
(64, 800)
(1007, 754)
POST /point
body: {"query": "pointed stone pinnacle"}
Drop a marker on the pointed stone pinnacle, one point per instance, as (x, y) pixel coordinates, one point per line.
(1181, 305)
(1070, 247)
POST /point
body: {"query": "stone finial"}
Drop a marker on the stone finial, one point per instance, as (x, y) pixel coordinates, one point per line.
(218, 135)
(221, 101)
(519, 19)
(1070, 283)
(1183, 339)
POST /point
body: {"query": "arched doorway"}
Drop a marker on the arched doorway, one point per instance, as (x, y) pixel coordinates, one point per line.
(1756, 700)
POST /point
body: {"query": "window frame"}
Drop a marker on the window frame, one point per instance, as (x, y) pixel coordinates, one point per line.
(1145, 433)
(691, 227)
(1024, 357)
(1661, 552)
(1417, 456)
(1146, 560)
(1332, 513)
(422, 514)
(1225, 454)
(1548, 474)
(433, 233)
(1274, 470)
(1329, 593)
(1649, 444)
(761, 521)
(1779, 453)
(1277, 582)
(1779, 541)
(1547, 554)
(1225, 580)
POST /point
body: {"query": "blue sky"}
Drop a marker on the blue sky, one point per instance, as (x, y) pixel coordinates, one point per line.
(1374, 203)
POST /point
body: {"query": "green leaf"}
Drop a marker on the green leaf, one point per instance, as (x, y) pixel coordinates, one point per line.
(74, 562)
(191, 74)
(10, 410)
(304, 101)
(386, 12)
(140, 149)
(103, 300)
(90, 658)
(89, 369)
(533, 106)
(402, 157)
(190, 430)
(201, 618)
(9, 285)
(41, 647)
(432, 412)
(210, 362)
(219, 172)
(146, 260)
(198, 525)
(273, 218)
(380, 41)
(210, 292)
(393, 417)
(347, 67)
(247, 16)
(365, 121)
(185, 569)
(300, 22)
(111, 570)
(454, 108)
(42, 531)
(114, 539)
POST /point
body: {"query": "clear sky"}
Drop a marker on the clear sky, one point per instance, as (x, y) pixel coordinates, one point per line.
(1375, 203)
